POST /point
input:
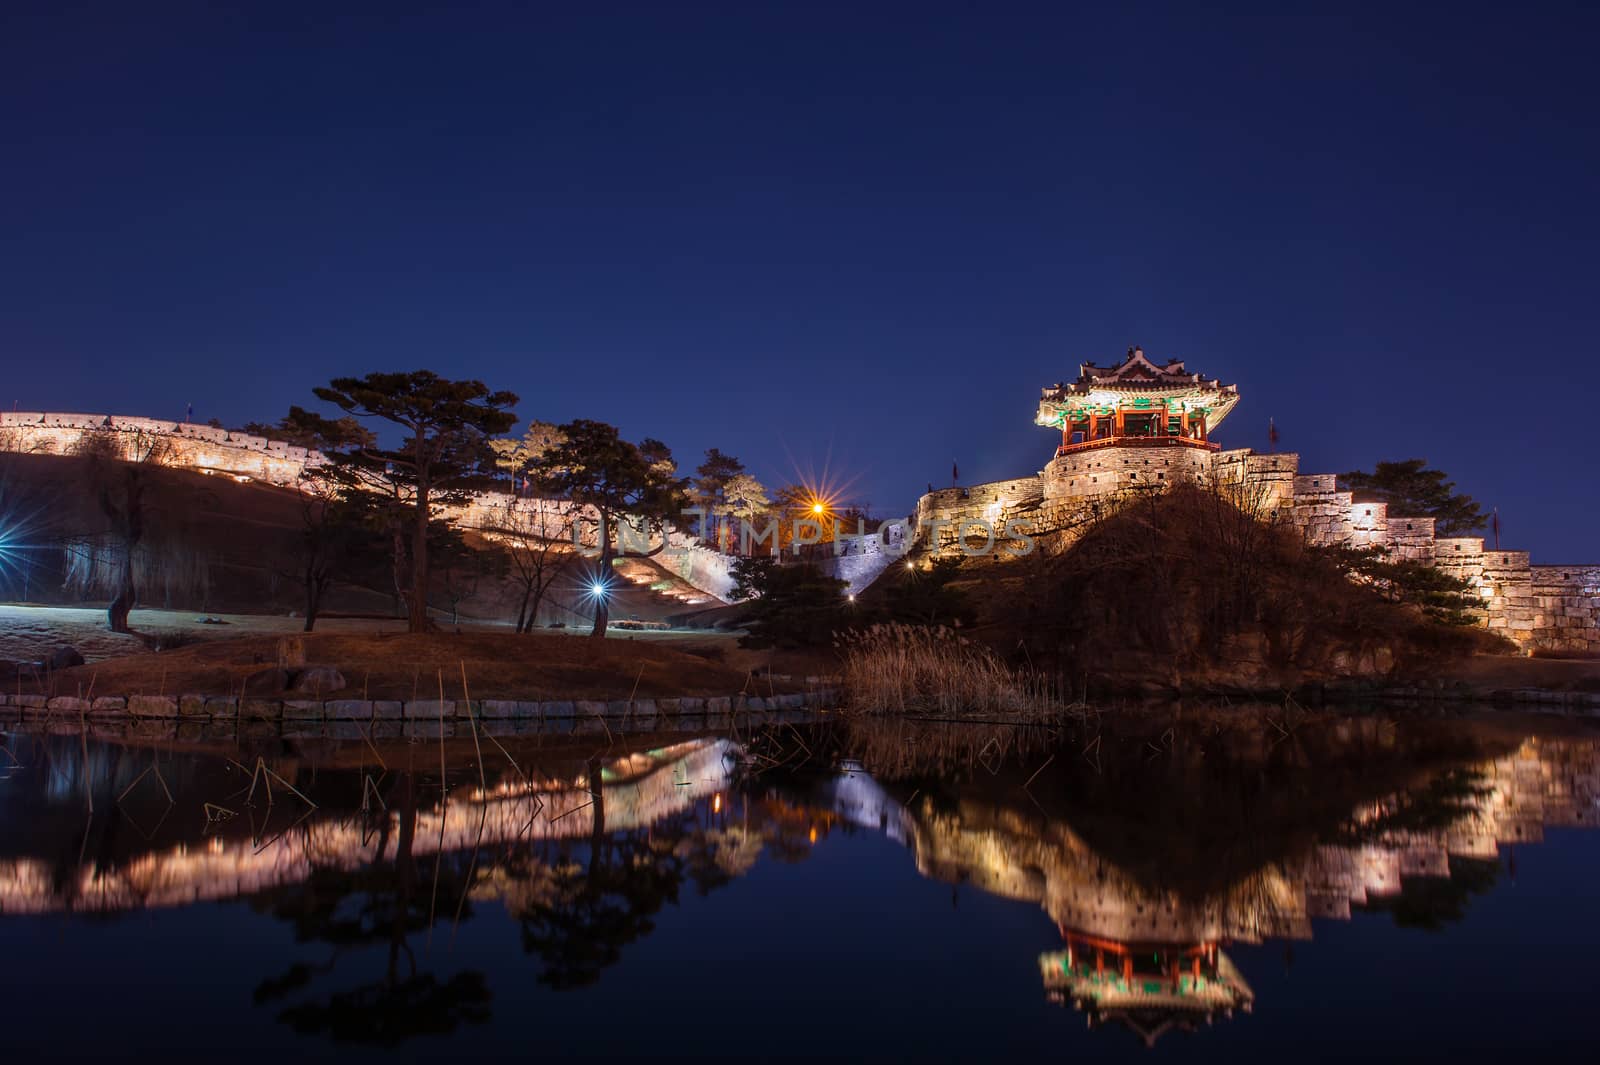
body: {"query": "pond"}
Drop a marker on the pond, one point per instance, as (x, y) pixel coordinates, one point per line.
(1230, 885)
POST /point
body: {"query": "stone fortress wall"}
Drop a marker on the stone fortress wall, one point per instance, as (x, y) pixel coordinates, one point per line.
(1540, 608)
(257, 459)
(185, 445)
(1543, 783)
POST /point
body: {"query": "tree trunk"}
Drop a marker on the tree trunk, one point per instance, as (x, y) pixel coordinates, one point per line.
(533, 604)
(597, 836)
(418, 617)
(602, 602)
(117, 612)
(314, 589)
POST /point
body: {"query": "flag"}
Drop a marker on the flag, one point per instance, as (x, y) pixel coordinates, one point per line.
(955, 471)
(1494, 522)
(188, 415)
(1272, 433)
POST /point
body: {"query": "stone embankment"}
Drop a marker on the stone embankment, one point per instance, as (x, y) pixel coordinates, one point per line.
(423, 716)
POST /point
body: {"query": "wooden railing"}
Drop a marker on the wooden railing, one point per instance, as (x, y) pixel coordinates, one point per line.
(1138, 441)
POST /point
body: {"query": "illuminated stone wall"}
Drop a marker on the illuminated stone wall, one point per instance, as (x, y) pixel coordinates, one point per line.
(182, 445)
(675, 779)
(240, 455)
(1016, 854)
(1540, 608)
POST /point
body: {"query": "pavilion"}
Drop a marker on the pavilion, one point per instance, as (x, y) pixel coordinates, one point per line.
(1136, 403)
(1149, 988)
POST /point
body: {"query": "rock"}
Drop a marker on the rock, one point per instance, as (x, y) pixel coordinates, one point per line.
(430, 709)
(319, 679)
(63, 657)
(108, 704)
(272, 681)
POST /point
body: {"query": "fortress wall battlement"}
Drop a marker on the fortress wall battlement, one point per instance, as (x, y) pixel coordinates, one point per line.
(207, 449)
(180, 444)
(1540, 608)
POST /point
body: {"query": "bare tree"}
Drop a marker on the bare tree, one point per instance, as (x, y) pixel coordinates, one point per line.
(119, 470)
(537, 537)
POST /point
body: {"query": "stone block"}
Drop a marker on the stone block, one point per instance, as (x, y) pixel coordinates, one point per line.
(70, 704)
(588, 708)
(430, 709)
(388, 710)
(419, 728)
(192, 706)
(30, 702)
(347, 710)
(222, 707)
(500, 709)
(302, 710)
(558, 725)
(152, 706)
(109, 704)
(261, 710)
(558, 709)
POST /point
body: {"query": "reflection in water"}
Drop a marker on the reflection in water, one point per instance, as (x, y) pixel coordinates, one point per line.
(1150, 857)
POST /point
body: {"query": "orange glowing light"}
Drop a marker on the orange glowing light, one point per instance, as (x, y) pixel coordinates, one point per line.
(716, 803)
(813, 834)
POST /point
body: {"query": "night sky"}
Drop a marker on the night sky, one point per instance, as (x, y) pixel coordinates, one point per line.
(818, 235)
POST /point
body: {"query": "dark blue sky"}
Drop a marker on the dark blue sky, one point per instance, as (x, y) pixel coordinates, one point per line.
(795, 232)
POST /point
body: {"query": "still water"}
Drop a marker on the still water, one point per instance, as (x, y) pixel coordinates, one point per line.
(1231, 888)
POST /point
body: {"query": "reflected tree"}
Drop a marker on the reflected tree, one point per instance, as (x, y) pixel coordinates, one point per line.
(381, 904)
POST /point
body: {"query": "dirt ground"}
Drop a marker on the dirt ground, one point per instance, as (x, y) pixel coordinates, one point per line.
(500, 665)
(1509, 671)
(380, 660)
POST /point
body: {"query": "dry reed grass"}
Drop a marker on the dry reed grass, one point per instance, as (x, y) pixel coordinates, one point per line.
(899, 668)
